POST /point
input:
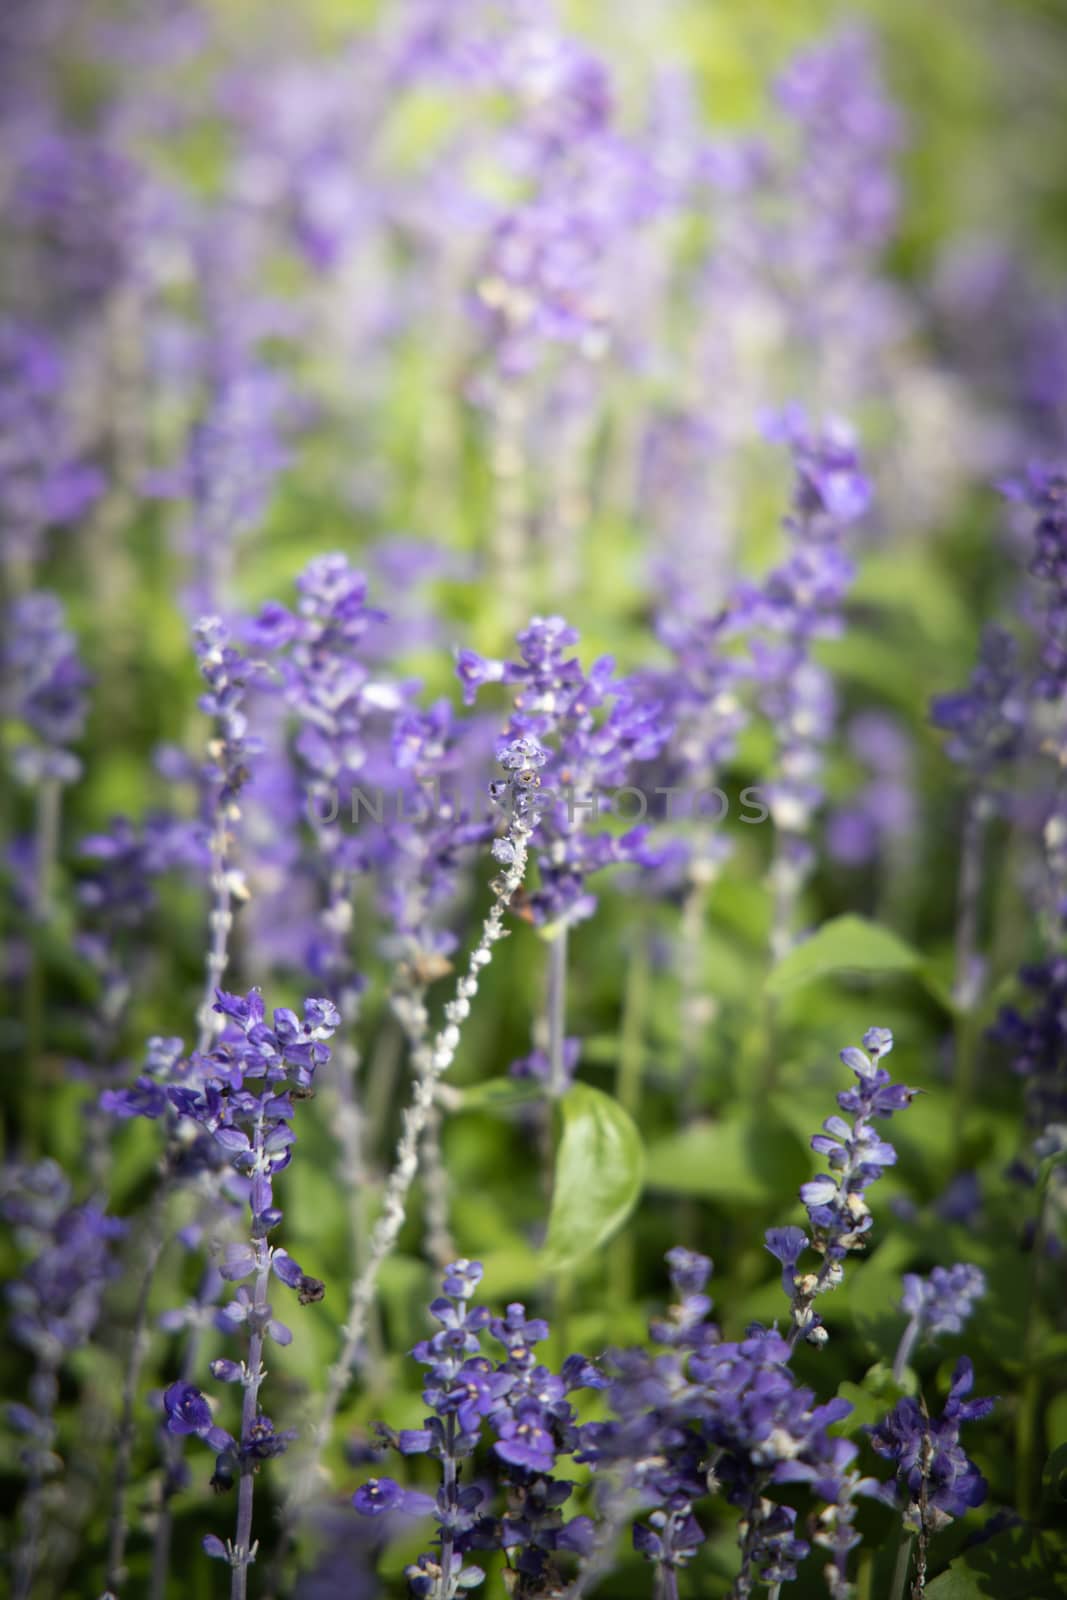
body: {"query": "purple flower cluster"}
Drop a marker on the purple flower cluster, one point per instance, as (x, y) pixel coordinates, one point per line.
(943, 1302)
(597, 728)
(523, 1406)
(1036, 1040)
(703, 1414)
(835, 1202)
(1044, 492)
(44, 482)
(240, 1095)
(57, 1299)
(226, 673)
(986, 721)
(935, 1475)
(55, 1303)
(798, 603)
(44, 688)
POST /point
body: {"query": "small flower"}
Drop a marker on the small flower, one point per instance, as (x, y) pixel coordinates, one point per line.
(932, 1466)
(787, 1245)
(188, 1412)
(380, 1495)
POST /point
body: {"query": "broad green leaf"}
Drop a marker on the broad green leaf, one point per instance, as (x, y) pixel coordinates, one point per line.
(1022, 1563)
(956, 1584)
(845, 944)
(599, 1172)
(741, 1159)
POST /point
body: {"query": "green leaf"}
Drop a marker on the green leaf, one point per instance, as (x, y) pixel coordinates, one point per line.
(1022, 1563)
(956, 1584)
(600, 1166)
(742, 1159)
(500, 1094)
(845, 944)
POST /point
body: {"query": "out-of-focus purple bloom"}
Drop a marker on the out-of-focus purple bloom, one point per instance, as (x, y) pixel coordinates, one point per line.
(44, 481)
(57, 1299)
(800, 601)
(233, 457)
(986, 721)
(938, 1304)
(943, 1302)
(536, 1065)
(883, 813)
(962, 1199)
(1044, 493)
(1036, 1040)
(44, 687)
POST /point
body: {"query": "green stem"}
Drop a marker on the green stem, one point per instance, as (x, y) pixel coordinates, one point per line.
(900, 1571)
(1026, 1419)
(628, 1075)
(966, 990)
(556, 1014)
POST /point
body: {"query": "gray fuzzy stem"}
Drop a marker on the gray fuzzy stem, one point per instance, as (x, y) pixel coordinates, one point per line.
(432, 1060)
(243, 1550)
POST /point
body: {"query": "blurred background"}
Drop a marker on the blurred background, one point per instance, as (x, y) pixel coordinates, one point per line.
(508, 305)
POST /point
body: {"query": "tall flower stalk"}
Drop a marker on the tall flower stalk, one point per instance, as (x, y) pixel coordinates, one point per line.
(432, 1060)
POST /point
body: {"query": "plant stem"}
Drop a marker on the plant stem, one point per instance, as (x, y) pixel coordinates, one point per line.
(409, 1007)
(556, 1013)
(221, 924)
(667, 1586)
(966, 988)
(173, 1448)
(507, 460)
(904, 1349)
(629, 1071)
(692, 1021)
(254, 1375)
(1026, 1419)
(46, 1392)
(139, 1344)
(449, 1495)
(46, 848)
(433, 1061)
(900, 1571)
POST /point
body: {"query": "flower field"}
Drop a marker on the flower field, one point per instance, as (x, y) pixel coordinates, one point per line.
(533, 719)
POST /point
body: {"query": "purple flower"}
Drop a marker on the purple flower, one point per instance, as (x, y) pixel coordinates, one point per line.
(380, 1495)
(590, 731)
(524, 1407)
(187, 1412)
(43, 480)
(787, 1245)
(933, 1470)
(524, 1440)
(943, 1302)
(44, 687)
(986, 721)
(839, 1215)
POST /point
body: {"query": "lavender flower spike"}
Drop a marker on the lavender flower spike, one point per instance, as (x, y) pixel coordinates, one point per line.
(940, 1303)
(839, 1214)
